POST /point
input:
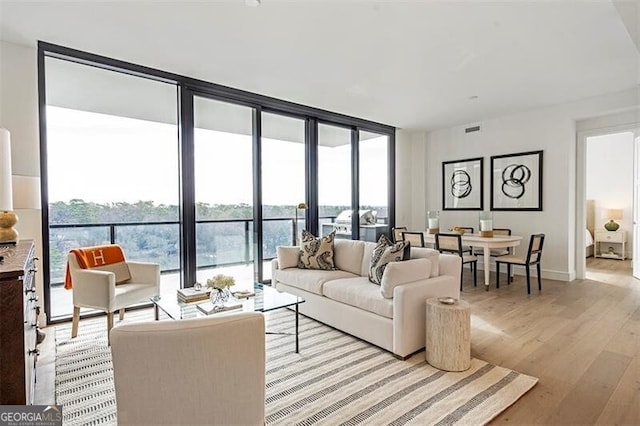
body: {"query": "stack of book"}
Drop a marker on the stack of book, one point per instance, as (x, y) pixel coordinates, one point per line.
(188, 295)
(209, 308)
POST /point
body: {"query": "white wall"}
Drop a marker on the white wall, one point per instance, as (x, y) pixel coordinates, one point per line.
(551, 129)
(19, 114)
(609, 178)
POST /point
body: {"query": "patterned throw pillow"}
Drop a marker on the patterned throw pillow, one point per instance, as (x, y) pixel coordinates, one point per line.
(385, 252)
(316, 253)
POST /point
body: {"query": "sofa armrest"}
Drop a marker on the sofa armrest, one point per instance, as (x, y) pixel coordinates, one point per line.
(450, 265)
(145, 273)
(409, 310)
(93, 288)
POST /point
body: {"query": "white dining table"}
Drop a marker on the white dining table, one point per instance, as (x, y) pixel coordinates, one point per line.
(487, 243)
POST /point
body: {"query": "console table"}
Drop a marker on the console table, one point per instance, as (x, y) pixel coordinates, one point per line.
(18, 323)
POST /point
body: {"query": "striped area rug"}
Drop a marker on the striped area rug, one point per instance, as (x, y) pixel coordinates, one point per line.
(335, 379)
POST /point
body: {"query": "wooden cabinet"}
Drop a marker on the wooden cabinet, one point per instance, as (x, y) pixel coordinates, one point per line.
(611, 244)
(18, 324)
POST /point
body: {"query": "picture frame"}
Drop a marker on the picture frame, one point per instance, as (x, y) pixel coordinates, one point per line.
(516, 182)
(462, 184)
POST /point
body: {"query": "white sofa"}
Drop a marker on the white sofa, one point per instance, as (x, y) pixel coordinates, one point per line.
(347, 300)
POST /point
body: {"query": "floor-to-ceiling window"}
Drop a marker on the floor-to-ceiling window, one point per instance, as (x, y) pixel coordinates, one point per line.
(112, 169)
(198, 177)
(373, 182)
(334, 180)
(283, 183)
(223, 172)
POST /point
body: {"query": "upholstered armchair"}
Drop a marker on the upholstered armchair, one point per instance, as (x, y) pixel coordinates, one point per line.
(97, 289)
(199, 371)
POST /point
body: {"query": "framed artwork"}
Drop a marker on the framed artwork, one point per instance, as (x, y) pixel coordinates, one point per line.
(462, 184)
(516, 181)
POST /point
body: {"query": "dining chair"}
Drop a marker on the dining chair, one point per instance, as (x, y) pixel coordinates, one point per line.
(452, 243)
(467, 230)
(397, 233)
(415, 238)
(533, 257)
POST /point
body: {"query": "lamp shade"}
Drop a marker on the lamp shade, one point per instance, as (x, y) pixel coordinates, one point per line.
(615, 214)
(26, 192)
(6, 195)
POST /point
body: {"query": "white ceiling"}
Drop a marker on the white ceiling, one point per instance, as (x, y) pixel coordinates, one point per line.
(410, 64)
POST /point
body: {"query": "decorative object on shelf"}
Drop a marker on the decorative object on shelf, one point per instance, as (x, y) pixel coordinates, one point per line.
(516, 181)
(486, 224)
(301, 206)
(433, 222)
(462, 184)
(8, 219)
(220, 289)
(612, 214)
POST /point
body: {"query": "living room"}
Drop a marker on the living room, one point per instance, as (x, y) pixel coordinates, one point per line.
(541, 97)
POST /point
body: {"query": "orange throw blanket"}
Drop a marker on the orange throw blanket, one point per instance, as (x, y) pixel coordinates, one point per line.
(107, 258)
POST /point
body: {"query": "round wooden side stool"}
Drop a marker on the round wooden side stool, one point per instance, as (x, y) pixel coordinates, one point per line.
(448, 335)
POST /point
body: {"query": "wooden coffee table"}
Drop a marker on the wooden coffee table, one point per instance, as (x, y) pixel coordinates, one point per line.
(266, 299)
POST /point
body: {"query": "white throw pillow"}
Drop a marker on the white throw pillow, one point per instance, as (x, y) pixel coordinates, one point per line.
(398, 273)
(288, 257)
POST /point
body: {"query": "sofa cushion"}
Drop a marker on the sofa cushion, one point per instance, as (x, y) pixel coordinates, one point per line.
(288, 257)
(348, 255)
(311, 280)
(398, 273)
(385, 252)
(427, 253)
(359, 292)
(316, 253)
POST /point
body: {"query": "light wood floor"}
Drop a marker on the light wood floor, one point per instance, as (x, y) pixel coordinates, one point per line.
(581, 339)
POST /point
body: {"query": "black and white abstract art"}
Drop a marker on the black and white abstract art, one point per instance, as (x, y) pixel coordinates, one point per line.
(516, 181)
(462, 182)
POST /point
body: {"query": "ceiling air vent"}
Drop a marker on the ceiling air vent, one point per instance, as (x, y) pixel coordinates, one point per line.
(472, 129)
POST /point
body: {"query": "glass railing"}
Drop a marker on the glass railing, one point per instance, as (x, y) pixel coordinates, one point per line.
(221, 243)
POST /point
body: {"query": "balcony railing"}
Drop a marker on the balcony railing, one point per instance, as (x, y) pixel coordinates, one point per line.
(219, 242)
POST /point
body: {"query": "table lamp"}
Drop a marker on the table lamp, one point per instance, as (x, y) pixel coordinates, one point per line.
(612, 214)
(8, 219)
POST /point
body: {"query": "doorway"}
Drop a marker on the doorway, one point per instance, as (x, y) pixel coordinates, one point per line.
(609, 205)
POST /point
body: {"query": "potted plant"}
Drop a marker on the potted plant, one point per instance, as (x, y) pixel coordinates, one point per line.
(220, 288)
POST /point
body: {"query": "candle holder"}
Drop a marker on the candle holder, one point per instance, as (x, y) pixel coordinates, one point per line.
(486, 224)
(433, 222)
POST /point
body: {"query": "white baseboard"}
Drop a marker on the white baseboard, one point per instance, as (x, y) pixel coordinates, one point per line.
(547, 274)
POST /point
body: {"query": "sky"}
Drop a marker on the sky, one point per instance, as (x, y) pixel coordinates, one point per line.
(103, 158)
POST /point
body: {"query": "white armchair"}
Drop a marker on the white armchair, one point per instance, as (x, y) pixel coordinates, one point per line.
(98, 290)
(197, 371)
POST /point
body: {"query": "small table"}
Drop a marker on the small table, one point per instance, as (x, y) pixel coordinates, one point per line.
(448, 335)
(266, 299)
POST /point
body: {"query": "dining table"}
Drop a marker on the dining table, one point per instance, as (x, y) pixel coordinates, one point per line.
(486, 243)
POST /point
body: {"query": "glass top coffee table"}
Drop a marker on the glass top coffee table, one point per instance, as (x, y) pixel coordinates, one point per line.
(266, 299)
